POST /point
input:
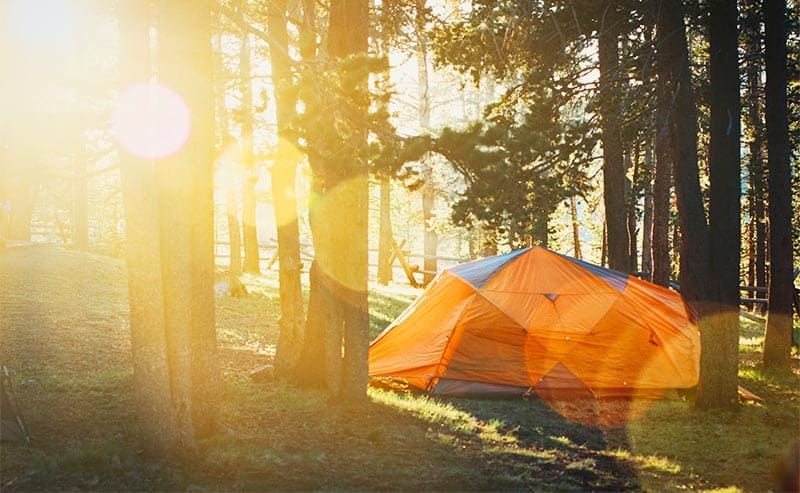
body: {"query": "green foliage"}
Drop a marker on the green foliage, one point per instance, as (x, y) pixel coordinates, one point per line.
(531, 154)
(539, 137)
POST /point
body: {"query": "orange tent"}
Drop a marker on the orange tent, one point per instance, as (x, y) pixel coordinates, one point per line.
(536, 321)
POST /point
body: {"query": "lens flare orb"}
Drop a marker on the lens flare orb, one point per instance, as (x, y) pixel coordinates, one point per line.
(151, 120)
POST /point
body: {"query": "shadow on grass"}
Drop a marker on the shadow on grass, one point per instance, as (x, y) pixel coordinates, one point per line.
(543, 446)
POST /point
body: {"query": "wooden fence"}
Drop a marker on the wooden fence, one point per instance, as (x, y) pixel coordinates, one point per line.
(404, 263)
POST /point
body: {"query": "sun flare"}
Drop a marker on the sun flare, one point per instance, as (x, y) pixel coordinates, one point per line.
(151, 120)
(45, 22)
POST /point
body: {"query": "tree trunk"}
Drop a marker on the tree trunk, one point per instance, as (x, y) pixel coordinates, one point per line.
(613, 164)
(576, 237)
(312, 371)
(234, 238)
(155, 412)
(21, 198)
(778, 340)
(236, 287)
(80, 209)
(249, 223)
(647, 220)
(632, 216)
(720, 358)
(604, 246)
(541, 229)
(284, 202)
(699, 284)
(385, 235)
(347, 35)
(187, 220)
(338, 217)
(662, 183)
(431, 239)
(757, 195)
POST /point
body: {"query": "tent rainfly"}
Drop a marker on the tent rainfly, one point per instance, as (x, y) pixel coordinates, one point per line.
(536, 321)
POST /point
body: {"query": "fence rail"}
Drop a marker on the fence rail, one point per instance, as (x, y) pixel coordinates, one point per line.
(268, 257)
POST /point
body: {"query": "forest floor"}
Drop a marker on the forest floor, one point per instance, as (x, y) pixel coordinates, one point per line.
(64, 335)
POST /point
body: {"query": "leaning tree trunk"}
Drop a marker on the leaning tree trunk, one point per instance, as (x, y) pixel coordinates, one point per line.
(154, 410)
(613, 164)
(284, 173)
(778, 340)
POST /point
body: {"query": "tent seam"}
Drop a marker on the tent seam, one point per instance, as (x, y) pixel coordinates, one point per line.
(450, 337)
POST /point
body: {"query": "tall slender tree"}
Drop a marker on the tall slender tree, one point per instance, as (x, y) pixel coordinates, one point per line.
(752, 32)
(284, 174)
(609, 25)
(431, 239)
(778, 340)
(347, 37)
(720, 359)
(699, 284)
(249, 203)
(662, 184)
(232, 172)
(337, 328)
(187, 219)
(156, 414)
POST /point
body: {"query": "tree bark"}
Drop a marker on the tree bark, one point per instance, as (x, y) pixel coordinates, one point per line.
(347, 35)
(249, 223)
(673, 66)
(236, 287)
(431, 239)
(778, 339)
(385, 234)
(187, 220)
(155, 413)
(757, 193)
(604, 246)
(699, 283)
(284, 173)
(720, 358)
(312, 371)
(647, 220)
(234, 238)
(576, 237)
(613, 165)
(632, 216)
(338, 215)
(80, 207)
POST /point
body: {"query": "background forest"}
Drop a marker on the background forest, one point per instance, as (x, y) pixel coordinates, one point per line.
(319, 157)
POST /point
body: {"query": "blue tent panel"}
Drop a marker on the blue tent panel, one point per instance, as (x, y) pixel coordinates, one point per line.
(478, 272)
(615, 279)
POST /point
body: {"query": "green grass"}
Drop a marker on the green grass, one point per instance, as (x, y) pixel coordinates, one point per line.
(64, 334)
